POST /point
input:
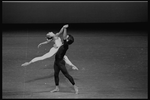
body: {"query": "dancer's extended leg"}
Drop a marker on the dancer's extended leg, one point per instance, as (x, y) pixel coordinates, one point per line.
(66, 59)
(52, 51)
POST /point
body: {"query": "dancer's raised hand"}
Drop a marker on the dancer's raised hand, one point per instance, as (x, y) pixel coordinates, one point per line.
(66, 26)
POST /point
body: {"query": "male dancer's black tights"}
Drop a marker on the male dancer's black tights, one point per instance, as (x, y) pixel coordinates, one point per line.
(60, 66)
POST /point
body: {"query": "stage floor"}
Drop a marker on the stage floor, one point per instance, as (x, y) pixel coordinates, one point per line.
(111, 65)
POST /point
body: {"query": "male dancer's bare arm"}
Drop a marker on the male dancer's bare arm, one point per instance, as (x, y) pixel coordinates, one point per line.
(65, 32)
(62, 29)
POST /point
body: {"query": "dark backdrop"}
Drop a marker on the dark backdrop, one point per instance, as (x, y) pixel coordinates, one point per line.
(75, 12)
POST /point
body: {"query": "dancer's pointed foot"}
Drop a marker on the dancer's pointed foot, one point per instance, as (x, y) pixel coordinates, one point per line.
(25, 64)
(55, 90)
(74, 68)
(76, 89)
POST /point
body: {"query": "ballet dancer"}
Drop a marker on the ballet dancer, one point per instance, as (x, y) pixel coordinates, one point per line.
(57, 43)
(59, 64)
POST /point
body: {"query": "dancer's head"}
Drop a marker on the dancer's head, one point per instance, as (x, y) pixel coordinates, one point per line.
(50, 35)
(69, 39)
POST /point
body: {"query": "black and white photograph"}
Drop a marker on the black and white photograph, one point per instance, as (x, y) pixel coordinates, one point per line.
(74, 49)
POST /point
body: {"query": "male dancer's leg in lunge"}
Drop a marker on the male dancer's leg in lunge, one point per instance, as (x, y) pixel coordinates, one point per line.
(68, 76)
(61, 67)
(59, 57)
(56, 77)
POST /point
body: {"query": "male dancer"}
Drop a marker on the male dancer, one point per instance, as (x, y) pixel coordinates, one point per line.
(59, 64)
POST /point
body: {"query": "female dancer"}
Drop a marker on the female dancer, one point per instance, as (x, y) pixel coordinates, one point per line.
(57, 43)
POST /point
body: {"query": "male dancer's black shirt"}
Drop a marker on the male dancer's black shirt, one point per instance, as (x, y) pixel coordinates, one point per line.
(61, 52)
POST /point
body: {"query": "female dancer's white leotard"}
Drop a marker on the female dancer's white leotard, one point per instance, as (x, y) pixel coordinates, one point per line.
(57, 43)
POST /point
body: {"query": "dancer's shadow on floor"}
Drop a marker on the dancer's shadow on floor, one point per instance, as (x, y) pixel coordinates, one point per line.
(61, 76)
(40, 78)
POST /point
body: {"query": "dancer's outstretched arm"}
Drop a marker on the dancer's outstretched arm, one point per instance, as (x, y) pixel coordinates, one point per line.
(45, 42)
(52, 51)
(66, 59)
